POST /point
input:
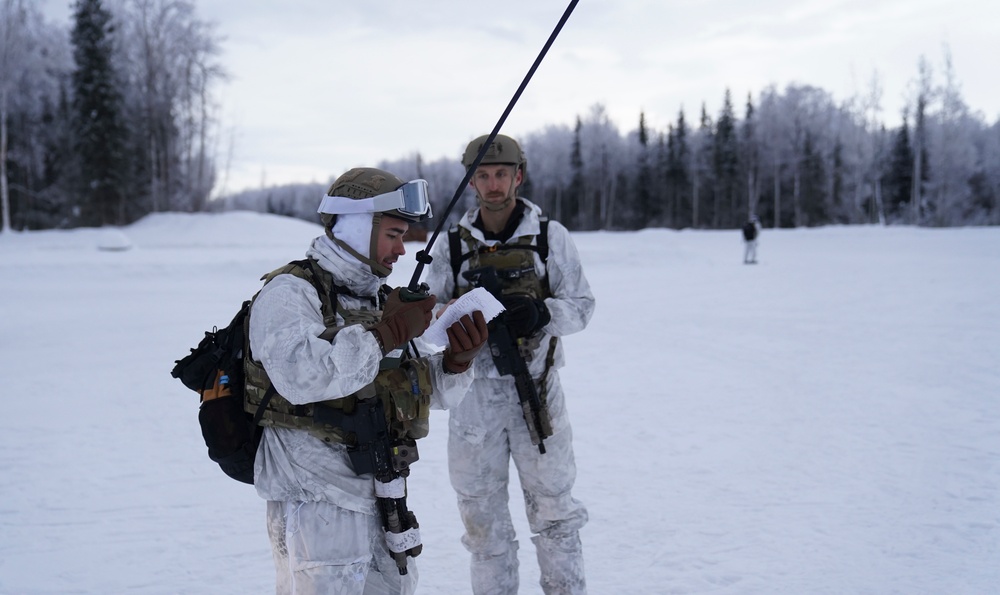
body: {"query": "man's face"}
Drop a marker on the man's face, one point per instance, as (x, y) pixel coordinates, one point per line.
(389, 246)
(494, 183)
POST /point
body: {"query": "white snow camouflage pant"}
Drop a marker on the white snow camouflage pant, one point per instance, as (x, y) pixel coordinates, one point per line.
(320, 548)
(485, 431)
(750, 252)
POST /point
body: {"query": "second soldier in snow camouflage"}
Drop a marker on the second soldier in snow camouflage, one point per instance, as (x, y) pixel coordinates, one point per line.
(547, 297)
(329, 337)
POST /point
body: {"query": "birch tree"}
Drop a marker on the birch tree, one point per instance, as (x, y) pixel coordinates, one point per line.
(920, 162)
(13, 24)
(953, 150)
(173, 73)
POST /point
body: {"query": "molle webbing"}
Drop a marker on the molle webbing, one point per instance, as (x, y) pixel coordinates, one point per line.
(404, 387)
(262, 400)
(480, 253)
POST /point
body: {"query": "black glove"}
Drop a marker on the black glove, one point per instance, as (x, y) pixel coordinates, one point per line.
(524, 315)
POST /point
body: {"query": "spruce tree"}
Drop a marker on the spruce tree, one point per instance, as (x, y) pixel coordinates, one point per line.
(679, 174)
(645, 207)
(574, 194)
(813, 183)
(98, 118)
(749, 158)
(725, 165)
(899, 180)
(702, 182)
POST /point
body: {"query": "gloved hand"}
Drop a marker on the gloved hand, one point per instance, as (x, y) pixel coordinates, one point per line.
(402, 321)
(524, 315)
(465, 340)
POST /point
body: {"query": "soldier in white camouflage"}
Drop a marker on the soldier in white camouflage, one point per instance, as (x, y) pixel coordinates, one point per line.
(327, 354)
(547, 297)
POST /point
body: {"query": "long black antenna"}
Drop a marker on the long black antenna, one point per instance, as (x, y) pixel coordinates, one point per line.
(423, 257)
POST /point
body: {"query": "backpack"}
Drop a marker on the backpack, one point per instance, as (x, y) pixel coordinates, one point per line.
(749, 231)
(214, 369)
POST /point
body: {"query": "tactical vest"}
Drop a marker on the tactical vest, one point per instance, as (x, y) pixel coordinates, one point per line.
(403, 383)
(515, 267)
(514, 262)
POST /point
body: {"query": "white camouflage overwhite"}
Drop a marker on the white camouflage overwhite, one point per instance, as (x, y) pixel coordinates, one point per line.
(488, 429)
(325, 533)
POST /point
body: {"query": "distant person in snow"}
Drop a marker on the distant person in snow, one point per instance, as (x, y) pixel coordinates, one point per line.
(751, 231)
(330, 358)
(533, 264)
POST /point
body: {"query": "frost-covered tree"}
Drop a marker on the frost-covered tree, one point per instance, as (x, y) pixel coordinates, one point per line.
(604, 156)
(34, 59)
(813, 184)
(749, 155)
(99, 121)
(171, 73)
(645, 208)
(702, 154)
(551, 155)
(953, 153)
(725, 167)
(13, 23)
(678, 173)
(569, 207)
(899, 177)
(921, 163)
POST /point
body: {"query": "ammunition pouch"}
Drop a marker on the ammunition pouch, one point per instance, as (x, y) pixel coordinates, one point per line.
(405, 392)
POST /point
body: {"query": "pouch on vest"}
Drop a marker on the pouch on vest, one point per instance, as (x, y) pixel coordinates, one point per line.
(406, 392)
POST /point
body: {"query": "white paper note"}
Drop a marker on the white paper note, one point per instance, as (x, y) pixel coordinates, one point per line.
(477, 299)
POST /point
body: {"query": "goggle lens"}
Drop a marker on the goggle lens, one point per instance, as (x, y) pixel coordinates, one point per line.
(415, 198)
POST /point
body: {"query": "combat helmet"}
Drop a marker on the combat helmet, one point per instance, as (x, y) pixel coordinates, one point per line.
(503, 150)
(364, 190)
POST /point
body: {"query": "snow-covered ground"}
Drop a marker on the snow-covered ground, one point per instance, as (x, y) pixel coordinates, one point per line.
(827, 421)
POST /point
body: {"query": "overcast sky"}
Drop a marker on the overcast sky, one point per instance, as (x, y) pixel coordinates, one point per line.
(319, 86)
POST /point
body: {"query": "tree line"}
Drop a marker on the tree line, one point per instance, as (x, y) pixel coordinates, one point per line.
(793, 157)
(107, 122)
(117, 119)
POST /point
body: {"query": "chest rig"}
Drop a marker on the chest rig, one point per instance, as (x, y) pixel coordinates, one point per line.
(514, 263)
(403, 383)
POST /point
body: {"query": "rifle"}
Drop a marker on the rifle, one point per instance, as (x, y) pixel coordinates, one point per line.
(389, 461)
(507, 357)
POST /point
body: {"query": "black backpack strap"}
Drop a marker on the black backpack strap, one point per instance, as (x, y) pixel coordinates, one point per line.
(543, 239)
(455, 249)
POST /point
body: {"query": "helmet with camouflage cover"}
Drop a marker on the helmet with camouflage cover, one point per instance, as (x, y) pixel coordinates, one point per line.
(358, 183)
(503, 150)
(362, 195)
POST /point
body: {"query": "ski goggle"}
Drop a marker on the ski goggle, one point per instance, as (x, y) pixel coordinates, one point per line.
(411, 199)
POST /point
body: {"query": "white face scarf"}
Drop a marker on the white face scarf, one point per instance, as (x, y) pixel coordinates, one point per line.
(355, 230)
(354, 236)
